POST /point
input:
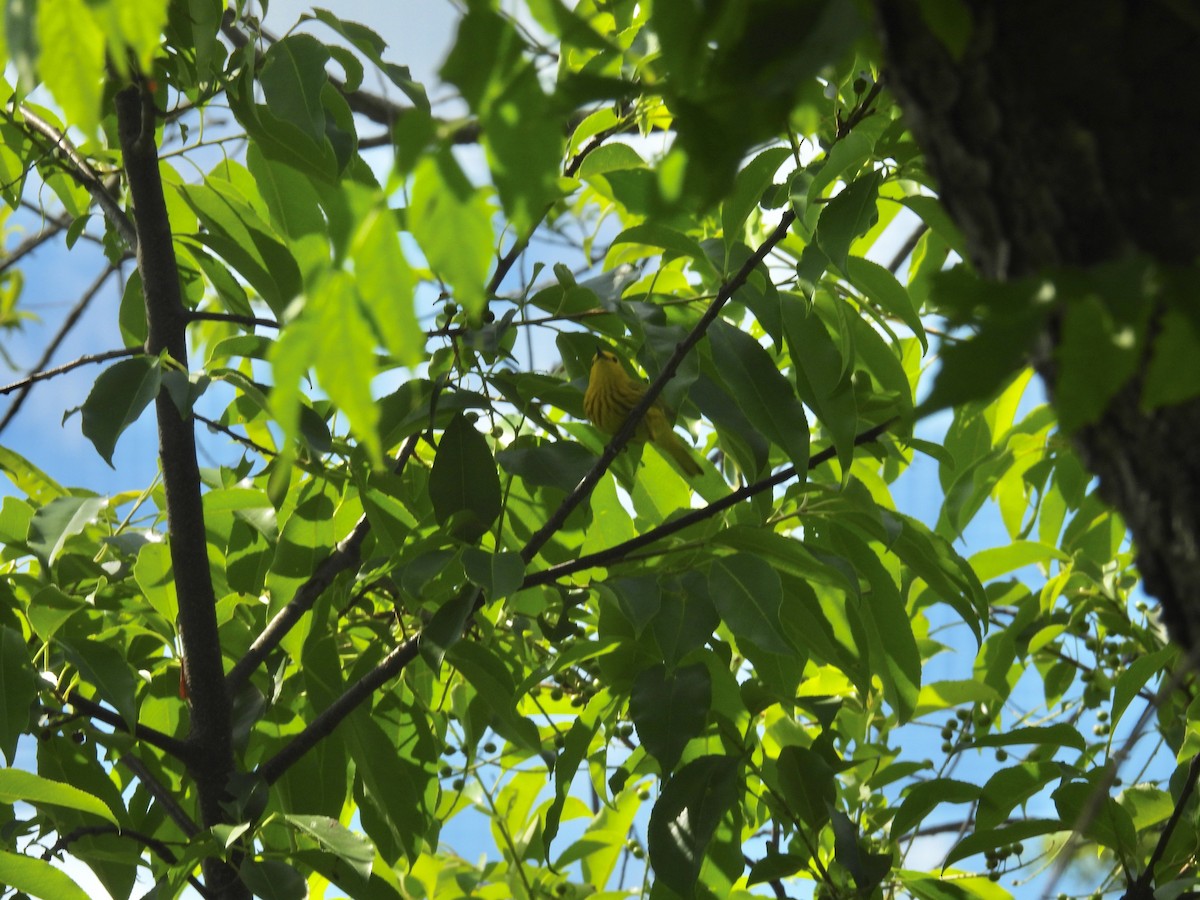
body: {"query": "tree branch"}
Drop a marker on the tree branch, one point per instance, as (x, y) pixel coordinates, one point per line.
(68, 324)
(153, 844)
(622, 437)
(210, 737)
(620, 551)
(86, 175)
(161, 795)
(86, 360)
(345, 555)
(152, 736)
(196, 315)
(334, 714)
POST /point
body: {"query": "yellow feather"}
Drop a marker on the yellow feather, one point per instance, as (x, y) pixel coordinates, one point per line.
(611, 395)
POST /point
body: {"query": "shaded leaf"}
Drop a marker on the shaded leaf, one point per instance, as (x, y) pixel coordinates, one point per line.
(669, 707)
(117, 400)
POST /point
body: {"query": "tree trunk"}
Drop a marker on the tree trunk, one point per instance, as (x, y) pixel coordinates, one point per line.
(1066, 134)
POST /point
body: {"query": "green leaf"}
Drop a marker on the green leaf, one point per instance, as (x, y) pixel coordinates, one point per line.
(1052, 735)
(748, 189)
(881, 286)
(333, 336)
(155, 577)
(37, 878)
(236, 232)
(747, 593)
(521, 129)
(464, 482)
(925, 796)
(822, 379)
(996, 561)
(18, 691)
(669, 708)
(951, 21)
(28, 478)
(273, 879)
(1173, 375)
(452, 221)
(495, 688)
(1097, 353)
(76, 76)
(292, 77)
(353, 849)
(117, 400)
(58, 521)
(383, 278)
(304, 542)
(498, 574)
(992, 838)
(573, 752)
(808, 784)
(846, 216)
(371, 45)
(686, 817)
(867, 869)
(1134, 678)
(674, 242)
(557, 464)
(765, 396)
(1011, 787)
(1088, 809)
(17, 785)
(50, 609)
(106, 669)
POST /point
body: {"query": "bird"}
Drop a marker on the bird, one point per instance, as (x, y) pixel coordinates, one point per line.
(611, 395)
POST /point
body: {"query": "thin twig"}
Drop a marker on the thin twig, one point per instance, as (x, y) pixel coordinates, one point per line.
(229, 432)
(196, 315)
(69, 323)
(622, 550)
(87, 360)
(86, 176)
(31, 243)
(151, 843)
(906, 249)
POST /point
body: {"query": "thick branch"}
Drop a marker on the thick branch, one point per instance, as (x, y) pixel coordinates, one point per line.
(166, 321)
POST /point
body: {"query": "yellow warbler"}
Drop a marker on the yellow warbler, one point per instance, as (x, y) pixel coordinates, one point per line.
(612, 394)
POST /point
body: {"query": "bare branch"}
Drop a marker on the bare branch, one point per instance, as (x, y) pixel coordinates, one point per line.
(69, 323)
(86, 175)
(87, 360)
(249, 321)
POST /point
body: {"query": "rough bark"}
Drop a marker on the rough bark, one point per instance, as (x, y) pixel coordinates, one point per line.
(209, 742)
(1066, 135)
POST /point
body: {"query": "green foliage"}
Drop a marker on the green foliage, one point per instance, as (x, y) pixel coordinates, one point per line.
(431, 603)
